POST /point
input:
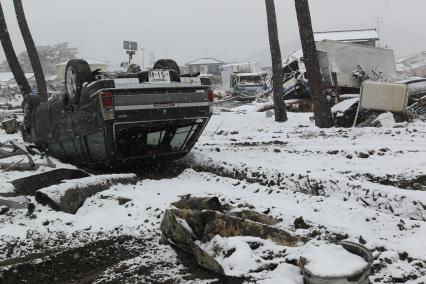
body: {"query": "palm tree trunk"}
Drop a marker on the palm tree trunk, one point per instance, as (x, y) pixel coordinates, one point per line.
(11, 57)
(32, 50)
(322, 112)
(277, 65)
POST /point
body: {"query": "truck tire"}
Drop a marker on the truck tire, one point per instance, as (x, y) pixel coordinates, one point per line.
(167, 64)
(77, 73)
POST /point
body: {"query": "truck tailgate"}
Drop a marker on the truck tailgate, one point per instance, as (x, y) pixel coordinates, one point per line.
(153, 102)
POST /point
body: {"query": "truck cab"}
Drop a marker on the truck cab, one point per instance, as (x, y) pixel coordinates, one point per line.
(244, 81)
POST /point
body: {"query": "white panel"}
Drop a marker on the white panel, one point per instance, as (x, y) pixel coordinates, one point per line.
(384, 96)
(122, 82)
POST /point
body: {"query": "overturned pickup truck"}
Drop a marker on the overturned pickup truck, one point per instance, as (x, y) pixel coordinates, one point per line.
(112, 119)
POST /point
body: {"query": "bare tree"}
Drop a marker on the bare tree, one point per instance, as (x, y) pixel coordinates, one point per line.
(31, 49)
(11, 58)
(322, 112)
(277, 65)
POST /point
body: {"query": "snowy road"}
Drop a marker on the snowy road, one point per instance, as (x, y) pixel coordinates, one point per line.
(363, 185)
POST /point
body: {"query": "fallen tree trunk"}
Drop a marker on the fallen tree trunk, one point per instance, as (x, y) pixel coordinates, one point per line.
(70, 195)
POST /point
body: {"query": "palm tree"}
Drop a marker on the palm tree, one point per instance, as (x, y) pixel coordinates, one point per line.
(277, 65)
(11, 57)
(31, 49)
(322, 112)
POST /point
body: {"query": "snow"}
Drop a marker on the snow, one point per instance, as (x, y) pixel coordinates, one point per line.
(344, 106)
(289, 169)
(254, 107)
(386, 120)
(330, 260)
(235, 255)
(5, 77)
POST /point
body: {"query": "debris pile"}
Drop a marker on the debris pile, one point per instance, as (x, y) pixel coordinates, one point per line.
(243, 243)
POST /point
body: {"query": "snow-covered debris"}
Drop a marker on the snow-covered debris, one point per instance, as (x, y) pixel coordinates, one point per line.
(331, 260)
(387, 120)
(344, 106)
(69, 195)
(240, 256)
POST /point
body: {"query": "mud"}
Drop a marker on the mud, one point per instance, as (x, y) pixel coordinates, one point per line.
(418, 183)
(88, 263)
(79, 265)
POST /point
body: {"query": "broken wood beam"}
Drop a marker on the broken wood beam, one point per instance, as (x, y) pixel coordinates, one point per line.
(70, 195)
(31, 184)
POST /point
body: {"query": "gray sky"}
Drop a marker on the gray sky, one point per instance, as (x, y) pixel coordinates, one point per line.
(229, 30)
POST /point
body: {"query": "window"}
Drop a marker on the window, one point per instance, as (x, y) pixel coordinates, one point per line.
(96, 145)
(250, 80)
(155, 138)
(181, 137)
(141, 140)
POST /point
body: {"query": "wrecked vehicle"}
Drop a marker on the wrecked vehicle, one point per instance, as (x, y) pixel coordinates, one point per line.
(295, 85)
(345, 112)
(244, 81)
(110, 120)
(343, 66)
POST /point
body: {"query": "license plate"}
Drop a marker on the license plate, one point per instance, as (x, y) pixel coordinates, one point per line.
(159, 76)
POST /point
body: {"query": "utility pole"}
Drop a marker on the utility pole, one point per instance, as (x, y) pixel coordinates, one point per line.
(31, 50)
(143, 59)
(152, 58)
(277, 65)
(322, 112)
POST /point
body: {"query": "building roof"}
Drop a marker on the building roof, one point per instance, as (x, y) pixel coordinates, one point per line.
(204, 61)
(348, 35)
(8, 76)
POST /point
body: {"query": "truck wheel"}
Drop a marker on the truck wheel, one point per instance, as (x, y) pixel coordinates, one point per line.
(77, 73)
(167, 64)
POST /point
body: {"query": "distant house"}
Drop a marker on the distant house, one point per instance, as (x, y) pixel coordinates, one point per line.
(413, 65)
(184, 69)
(366, 37)
(60, 68)
(205, 66)
(7, 79)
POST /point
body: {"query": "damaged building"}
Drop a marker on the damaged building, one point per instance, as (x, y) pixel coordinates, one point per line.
(413, 65)
(368, 37)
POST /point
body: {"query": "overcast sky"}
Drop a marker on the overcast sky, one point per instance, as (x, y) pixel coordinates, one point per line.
(229, 30)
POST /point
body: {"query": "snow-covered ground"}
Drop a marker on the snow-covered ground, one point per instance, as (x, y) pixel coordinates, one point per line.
(362, 185)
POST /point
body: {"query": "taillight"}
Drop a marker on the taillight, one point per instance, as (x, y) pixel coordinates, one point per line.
(107, 100)
(210, 96)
